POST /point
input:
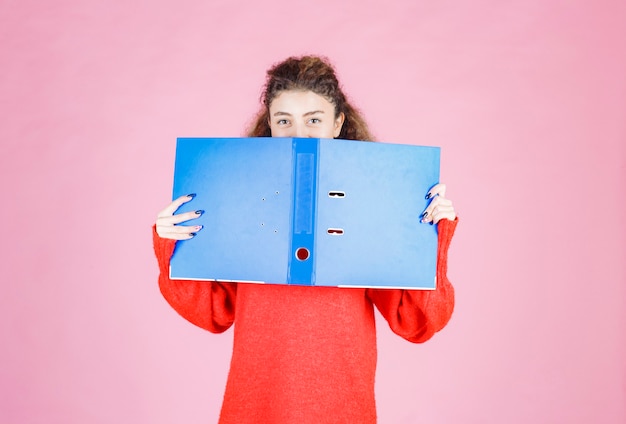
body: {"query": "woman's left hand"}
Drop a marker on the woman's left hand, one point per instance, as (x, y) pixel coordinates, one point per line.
(439, 207)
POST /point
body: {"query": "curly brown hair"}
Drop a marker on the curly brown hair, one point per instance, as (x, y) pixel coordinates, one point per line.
(309, 73)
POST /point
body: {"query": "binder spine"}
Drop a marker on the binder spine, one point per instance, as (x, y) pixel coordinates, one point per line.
(304, 211)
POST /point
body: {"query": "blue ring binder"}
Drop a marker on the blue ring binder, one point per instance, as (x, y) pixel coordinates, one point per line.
(320, 212)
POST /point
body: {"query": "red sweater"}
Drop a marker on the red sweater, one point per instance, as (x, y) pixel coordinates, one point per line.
(305, 354)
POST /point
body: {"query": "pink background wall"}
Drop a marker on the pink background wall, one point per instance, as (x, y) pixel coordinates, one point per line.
(526, 98)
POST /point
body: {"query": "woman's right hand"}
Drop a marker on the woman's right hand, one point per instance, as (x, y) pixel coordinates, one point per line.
(167, 223)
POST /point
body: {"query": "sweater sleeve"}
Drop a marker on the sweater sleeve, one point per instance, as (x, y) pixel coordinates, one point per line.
(417, 315)
(209, 305)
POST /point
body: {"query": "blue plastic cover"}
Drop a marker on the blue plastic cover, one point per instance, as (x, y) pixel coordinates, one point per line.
(307, 211)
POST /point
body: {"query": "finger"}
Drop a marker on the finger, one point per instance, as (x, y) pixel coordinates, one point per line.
(177, 236)
(179, 218)
(179, 232)
(173, 207)
(438, 204)
(448, 214)
(428, 212)
(179, 229)
(436, 190)
(443, 210)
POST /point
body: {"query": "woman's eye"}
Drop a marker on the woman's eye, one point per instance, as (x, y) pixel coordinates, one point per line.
(315, 121)
(282, 122)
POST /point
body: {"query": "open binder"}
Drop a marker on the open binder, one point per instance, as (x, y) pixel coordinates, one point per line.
(307, 211)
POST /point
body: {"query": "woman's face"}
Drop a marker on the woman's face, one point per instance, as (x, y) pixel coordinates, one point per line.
(304, 114)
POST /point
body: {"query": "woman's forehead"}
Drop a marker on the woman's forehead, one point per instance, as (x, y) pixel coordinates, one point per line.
(300, 101)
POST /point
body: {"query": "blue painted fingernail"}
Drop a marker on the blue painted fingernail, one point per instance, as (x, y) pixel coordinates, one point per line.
(428, 196)
(192, 235)
(424, 215)
(192, 195)
(199, 212)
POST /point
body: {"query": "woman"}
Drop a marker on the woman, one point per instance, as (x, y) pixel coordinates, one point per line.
(304, 354)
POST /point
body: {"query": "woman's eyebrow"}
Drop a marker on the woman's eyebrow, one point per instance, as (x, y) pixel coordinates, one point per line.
(313, 112)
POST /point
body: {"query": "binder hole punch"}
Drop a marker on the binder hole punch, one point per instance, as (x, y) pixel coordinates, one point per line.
(336, 194)
(335, 231)
(302, 254)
